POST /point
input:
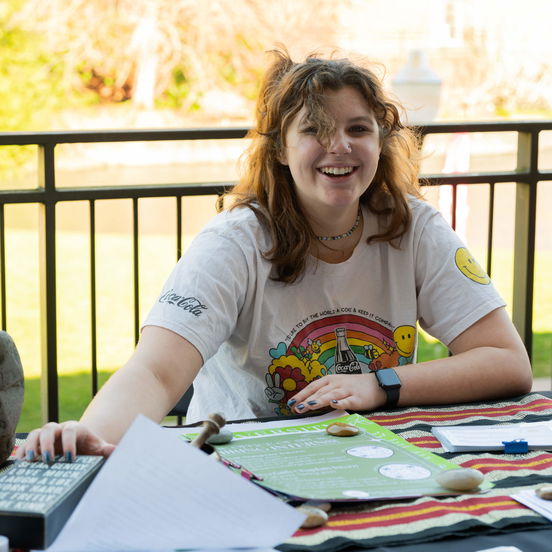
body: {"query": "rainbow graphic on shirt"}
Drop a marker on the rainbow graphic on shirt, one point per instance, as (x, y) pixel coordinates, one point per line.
(345, 343)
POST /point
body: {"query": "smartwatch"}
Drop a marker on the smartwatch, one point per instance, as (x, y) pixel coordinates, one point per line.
(389, 381)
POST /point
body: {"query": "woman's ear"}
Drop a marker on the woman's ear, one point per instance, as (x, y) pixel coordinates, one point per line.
(281, 155)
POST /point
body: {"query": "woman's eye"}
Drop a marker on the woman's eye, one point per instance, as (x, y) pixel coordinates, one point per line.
(359, 129)
(308, 130)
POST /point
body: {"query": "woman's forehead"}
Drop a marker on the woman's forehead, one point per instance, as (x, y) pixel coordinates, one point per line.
(348, 98)
(346, 102)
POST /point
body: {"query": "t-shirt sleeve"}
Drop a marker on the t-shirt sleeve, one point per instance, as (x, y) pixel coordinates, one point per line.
(203, 296)
(453, 290)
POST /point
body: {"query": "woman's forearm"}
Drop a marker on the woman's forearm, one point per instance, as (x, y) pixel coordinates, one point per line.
(159, 372)
(130, 391)
(489, 361)
(481, 373)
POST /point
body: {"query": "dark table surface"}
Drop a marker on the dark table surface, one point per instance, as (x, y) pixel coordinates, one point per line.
(527, 541)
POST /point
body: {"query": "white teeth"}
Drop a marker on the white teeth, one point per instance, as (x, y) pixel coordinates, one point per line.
(338, 171)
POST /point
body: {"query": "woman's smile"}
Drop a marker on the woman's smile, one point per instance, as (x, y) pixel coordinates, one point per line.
(337, 172)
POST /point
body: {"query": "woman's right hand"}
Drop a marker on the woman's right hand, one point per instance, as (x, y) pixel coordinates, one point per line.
(67, 438)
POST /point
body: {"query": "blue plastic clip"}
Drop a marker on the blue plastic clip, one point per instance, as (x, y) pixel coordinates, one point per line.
(517, 446)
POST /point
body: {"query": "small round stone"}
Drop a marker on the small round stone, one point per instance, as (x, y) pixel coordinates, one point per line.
(544, 491)
(462, 479)
(222, 437)
(339, 429)
(316, 517)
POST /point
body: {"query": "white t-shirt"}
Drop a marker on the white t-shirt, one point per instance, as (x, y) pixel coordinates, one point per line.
(262, 341)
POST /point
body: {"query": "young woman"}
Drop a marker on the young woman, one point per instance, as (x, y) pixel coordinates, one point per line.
(306, 290)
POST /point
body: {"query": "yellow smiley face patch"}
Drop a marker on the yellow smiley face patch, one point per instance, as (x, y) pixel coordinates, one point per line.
(469, 267)
(405, 340)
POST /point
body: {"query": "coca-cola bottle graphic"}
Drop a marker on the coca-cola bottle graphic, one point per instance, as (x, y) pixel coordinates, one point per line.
(345, 360)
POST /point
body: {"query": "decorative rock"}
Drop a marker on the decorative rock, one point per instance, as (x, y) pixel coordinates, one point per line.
(11, 394)
(545, 491)
(462, 479)
(315, 516)
(339, 429)
(222, 437)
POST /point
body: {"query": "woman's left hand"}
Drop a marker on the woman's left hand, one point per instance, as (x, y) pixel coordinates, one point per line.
(341, 391)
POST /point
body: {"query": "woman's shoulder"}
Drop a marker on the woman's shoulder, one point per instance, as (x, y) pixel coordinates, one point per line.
(238, 217)
(422, 211)
(239, 223)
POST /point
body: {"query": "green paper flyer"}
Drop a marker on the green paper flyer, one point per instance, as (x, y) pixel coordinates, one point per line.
(305, 462)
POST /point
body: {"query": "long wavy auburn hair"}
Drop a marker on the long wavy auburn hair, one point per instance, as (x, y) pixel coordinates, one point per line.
(266, 185)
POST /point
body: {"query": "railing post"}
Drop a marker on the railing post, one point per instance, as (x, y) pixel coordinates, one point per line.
(136, 268)
(47, 268)
(93, 310)
(3, 295)
(524, 242)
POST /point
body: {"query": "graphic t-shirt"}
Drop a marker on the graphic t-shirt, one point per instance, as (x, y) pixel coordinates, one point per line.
(263, 341)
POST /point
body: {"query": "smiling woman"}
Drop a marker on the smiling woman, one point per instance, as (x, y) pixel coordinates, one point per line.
(307, 290)
(330, 179)
(327, 139)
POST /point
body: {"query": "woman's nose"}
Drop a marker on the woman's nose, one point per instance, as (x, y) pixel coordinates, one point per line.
(339, 144)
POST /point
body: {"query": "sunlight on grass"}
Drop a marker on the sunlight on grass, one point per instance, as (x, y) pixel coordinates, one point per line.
(115, 326)
(75, 394)
(114, 293)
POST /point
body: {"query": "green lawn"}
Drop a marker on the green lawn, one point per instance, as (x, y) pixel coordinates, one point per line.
(75, 394)
(115, 333)
(75, 389)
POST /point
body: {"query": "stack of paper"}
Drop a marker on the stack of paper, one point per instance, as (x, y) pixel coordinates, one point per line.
(156, 492)
(536, 503)
(462, 438)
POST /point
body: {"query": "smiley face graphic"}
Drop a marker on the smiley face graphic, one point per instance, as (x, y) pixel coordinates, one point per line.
(405, 339)
(469, 267)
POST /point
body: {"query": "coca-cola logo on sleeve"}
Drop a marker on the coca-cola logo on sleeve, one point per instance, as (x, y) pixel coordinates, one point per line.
(190, 304)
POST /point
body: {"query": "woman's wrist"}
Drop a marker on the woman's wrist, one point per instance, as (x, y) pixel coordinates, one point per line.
(379, 398)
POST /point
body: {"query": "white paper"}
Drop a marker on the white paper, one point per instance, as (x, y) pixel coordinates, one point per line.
(156, 492)
(501, 549)
(489, 437)
(536, 503)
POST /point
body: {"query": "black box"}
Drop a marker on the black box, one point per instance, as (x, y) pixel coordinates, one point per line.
(36, 499)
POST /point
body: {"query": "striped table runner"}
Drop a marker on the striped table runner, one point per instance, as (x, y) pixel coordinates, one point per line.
(372, 524)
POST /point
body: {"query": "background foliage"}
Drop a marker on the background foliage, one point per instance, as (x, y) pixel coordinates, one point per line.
(171, 50)
(208, 55)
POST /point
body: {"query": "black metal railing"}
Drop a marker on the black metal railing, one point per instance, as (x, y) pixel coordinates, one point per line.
(47, 195)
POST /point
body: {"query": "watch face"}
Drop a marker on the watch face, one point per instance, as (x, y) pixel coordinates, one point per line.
(388, 378)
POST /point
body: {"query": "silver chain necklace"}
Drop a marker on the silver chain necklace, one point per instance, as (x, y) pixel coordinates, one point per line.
(345, 234)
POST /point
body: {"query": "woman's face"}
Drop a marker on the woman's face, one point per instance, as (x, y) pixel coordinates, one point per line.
(334, 176)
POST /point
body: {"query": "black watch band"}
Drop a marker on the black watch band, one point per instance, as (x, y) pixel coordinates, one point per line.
(389, 381)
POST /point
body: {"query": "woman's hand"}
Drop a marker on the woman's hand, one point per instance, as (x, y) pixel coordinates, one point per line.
(66, 438)
(343, 391)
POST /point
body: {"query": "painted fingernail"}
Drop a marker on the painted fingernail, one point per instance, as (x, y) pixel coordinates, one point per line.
(300, 406)
(46, 457)
(68, 457)
(291, 402)
(335, 401)
(30, 455)
(310, 403)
